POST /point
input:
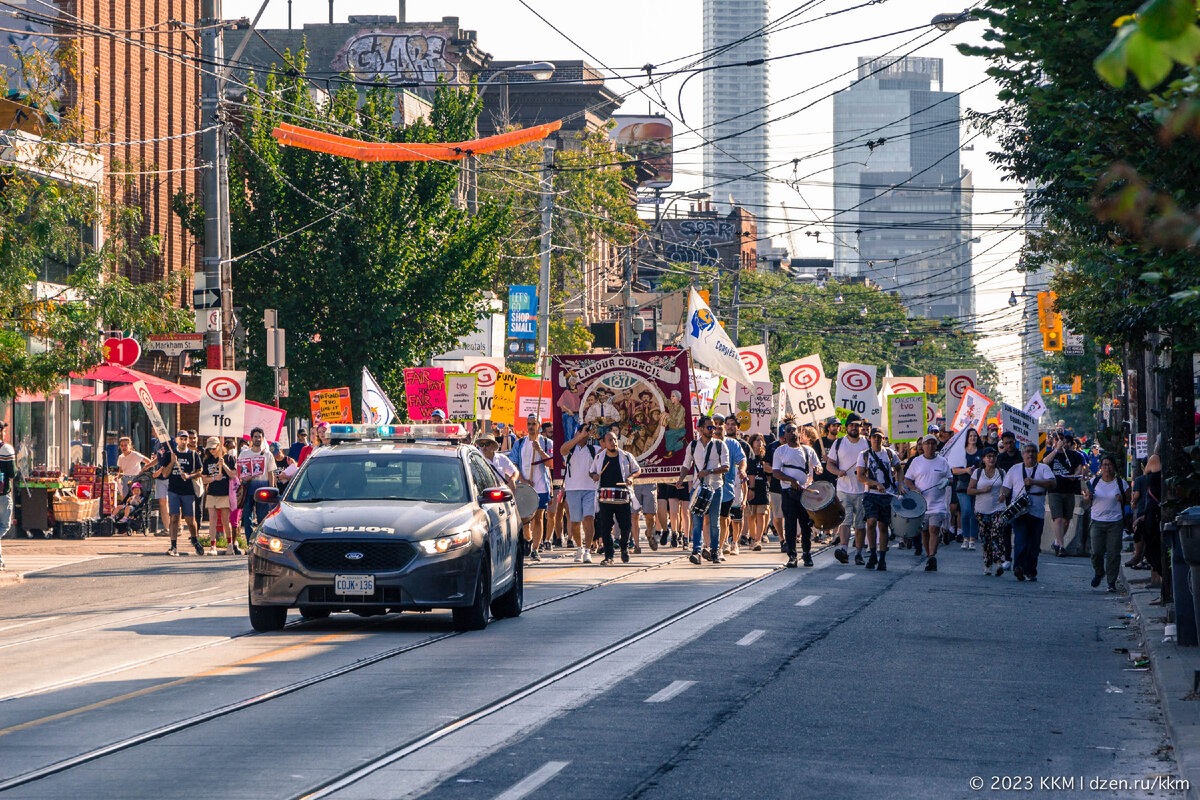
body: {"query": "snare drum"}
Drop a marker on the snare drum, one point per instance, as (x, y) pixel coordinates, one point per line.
(702, 500)
(527, 500)
(1019, 506)
(908, 512)
(824, 508)
(617, 494)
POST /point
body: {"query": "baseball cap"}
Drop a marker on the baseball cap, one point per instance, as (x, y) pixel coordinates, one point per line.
(853, 418)
(212, 442)
(135, 486)
(439, 414)
(929, 437)
(833, 421)
(934, 428)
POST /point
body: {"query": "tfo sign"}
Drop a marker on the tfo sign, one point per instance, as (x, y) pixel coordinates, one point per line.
(222, 402)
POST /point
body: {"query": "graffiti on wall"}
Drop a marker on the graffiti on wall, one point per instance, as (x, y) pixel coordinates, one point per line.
(696, 241)
(399, 56)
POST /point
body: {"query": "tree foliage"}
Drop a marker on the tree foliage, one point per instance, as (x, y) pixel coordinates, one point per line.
(49, 332)
(368, 264)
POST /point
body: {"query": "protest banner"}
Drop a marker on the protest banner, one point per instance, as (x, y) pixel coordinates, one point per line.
(504, 398)
(269, 418)
(156, 421)
(754, 359)
(486, 369)
(893, 385)
(931, 414)
(753, 413)
(858, 391)
(534, 397)
(222, 402)
(425, 391)
(461, 396)
(1022, 425)
(330, 405)
(642, 396)
(906, 416)
(806, 388)
(972, 411)
(1035, 406)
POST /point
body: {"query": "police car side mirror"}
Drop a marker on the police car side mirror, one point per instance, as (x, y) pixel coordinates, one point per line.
(267, 494)
(493, 496)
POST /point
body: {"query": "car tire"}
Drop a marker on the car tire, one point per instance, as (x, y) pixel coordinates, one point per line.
(475, 616)
(510, 604)
(309, 612)
(267, 618)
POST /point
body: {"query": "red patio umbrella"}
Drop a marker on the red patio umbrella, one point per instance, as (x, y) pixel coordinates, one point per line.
(112, 373)
(160, 392)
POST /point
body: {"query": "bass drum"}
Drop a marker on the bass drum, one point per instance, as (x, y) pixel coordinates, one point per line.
(821, 502)
(527, 500)
(908, 512)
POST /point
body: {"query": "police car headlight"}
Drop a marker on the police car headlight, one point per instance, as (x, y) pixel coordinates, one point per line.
(446, 543)
(273, 543)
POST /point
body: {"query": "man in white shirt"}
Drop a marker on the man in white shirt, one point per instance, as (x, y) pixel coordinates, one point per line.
(130, 463)
(795, 465)
(842, 461)
(930, 475)
(707, 460)
(491, 452)
(1033, 479)
(578, 453)
(879, 473)
(532, 458)
(256, 467)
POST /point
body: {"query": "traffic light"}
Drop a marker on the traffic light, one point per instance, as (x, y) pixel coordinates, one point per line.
(1047, 385)
(931, 384)
(1050, 323)
(1052, 341)
(1062, 400)
(1076, 384)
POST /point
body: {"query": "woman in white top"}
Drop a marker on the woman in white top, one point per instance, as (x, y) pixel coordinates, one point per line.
(1108, 495)
(984, 488)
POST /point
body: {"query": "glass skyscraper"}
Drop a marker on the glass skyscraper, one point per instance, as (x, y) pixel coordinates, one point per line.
(902, 199)
(735, 99)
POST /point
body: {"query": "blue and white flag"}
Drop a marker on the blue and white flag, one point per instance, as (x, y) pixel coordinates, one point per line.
(710, 345)
(377, 409)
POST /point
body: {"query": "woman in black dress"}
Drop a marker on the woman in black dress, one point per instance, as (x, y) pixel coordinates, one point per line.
(758, 503)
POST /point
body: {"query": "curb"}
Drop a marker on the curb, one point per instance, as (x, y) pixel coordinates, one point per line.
(1171, 669)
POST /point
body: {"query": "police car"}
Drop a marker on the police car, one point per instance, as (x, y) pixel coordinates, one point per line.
(389, 518)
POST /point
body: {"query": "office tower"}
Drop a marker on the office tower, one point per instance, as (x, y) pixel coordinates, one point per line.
(735, 100)
(902, 200)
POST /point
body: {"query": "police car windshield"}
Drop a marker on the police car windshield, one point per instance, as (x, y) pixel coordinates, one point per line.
(424, 477)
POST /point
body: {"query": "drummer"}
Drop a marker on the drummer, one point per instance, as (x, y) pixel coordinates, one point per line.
(879, 473)
(929, 474)
(795, 464)
(614, 470)
(707, 461)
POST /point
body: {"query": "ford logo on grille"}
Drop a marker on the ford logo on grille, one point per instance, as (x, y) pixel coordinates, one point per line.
(354, 556)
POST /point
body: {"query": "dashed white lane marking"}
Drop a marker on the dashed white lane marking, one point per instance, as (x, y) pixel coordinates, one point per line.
(808, 601)
(673, 689)
(750, 638)
(531, 783)
(845, 576)
(27, 622)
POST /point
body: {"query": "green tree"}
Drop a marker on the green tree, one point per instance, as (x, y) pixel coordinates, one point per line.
(368, 263)
(43, 220)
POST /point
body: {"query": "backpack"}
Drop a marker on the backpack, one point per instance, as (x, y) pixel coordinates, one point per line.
(592, 450)
(1124, 489)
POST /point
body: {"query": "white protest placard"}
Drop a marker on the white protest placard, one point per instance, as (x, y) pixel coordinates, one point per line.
(156, 421)
(906, 417)
(485, 369)
(955, 449)
(810, 406)
(222, 402)
(858, 392)
(931, 414)
(893, 385)
(803, 373)
(972, 411)
(1035, 406)
(753, 411)
(957, 383)
(461, 396)
(1141, 445)
(754, 359)
(1023, 426)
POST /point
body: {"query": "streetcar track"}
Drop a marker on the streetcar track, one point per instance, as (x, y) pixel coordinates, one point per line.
(264, 697)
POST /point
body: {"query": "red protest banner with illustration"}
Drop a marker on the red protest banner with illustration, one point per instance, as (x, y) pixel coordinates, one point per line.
(642, 396)
(425, 391)
(330, 405)
(972, 411)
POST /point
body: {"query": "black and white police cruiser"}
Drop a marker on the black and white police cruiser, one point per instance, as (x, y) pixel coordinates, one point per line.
(389, 518)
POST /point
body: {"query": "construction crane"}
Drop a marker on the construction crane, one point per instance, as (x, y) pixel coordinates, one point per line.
(791, 232)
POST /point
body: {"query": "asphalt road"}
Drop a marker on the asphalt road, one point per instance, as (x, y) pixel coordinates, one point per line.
(656, 679)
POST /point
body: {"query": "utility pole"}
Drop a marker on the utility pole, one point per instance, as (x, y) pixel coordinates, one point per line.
(547, 189)
(216, 224)
(627, 303)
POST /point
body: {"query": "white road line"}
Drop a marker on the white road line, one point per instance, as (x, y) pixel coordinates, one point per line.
(185, 594)
(672, 690)
(750, 638)
(808, 601)
(531, 783)
(845, 576)
(27, 622)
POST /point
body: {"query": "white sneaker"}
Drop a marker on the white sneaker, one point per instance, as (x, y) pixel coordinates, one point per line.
(964, 545)
(587, 556)
(1007, 565)
(579, 555)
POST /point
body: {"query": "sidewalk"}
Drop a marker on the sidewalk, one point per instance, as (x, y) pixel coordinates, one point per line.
(1172, 669)
(26, 556)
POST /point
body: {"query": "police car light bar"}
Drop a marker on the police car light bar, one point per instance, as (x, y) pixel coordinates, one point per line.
(364, 433)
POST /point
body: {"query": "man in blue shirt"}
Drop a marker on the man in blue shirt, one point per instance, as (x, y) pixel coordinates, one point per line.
(730, 529)
(298, 445)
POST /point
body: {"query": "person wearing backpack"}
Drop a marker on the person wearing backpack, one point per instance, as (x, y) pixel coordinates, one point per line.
(578, 453)
(1109, 494)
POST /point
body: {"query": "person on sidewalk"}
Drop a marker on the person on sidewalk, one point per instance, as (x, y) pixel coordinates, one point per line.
(929, 474)
(218, 467)
(8, 472)
(614, 471)
(1033, 479)
(181, 492)
(1146, 496)
(123, 514)
(1109, 494)
(130, 464)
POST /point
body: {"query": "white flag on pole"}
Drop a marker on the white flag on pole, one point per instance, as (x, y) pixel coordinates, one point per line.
(377, 409)
(710, 345)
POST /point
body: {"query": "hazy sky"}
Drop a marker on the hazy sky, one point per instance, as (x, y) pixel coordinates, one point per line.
(624, 35)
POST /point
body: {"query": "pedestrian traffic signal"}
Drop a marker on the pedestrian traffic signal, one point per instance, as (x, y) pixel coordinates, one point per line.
(1047, 385)
(1076, 384)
